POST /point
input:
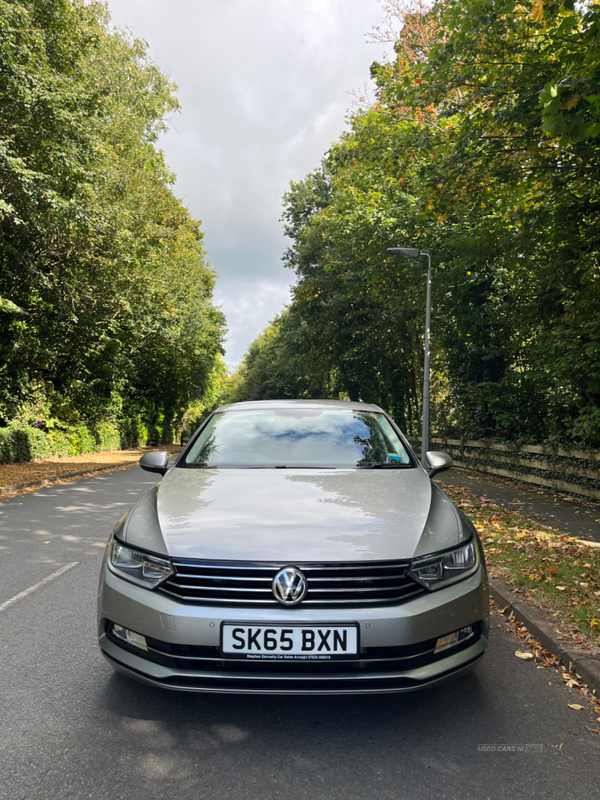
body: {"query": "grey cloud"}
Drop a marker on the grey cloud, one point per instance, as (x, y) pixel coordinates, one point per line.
(263, 86)
(252, 303)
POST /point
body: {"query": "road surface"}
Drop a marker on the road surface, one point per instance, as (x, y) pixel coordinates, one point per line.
(71, 728)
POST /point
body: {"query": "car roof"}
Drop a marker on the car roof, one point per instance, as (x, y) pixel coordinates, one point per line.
(347, 405)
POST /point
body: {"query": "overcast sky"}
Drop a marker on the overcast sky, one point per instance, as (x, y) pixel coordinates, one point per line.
(263, 86)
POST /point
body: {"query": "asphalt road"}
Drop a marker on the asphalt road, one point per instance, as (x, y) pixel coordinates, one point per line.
(70, 728)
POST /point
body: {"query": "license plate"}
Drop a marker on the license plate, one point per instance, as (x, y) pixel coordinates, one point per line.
(295, 642)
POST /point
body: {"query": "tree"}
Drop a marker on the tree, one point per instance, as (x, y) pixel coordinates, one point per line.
(481, 147)
(107, 293)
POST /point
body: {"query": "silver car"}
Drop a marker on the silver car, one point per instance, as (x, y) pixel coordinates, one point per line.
(294, 547)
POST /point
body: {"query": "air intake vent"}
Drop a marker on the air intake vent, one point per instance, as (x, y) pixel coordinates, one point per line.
(235, 583)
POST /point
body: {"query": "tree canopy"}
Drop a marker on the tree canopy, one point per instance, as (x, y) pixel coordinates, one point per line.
(105, 293)
(483, 148)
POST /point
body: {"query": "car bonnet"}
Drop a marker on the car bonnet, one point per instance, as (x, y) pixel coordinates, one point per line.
(295, 515)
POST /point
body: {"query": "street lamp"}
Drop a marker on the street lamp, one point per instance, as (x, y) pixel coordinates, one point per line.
(414, 253)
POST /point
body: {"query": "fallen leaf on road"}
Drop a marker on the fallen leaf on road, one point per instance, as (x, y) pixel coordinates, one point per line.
(523, 655)
(593, 730)
(575, 706)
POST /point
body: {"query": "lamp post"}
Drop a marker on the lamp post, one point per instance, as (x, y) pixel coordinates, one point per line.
(414, 253)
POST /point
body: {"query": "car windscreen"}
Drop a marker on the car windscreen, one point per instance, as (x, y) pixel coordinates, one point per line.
(290, 437)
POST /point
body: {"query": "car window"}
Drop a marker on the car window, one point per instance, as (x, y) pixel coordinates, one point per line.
(291, 437)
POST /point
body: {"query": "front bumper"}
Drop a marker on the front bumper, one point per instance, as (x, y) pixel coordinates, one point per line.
(396, 642)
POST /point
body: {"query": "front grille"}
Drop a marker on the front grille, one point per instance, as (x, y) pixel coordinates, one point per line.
(235, 583)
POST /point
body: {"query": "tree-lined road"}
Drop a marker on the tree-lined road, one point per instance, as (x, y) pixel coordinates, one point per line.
(73, 729)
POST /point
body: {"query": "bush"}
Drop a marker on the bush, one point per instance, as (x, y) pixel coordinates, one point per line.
(108, 436)
(132, 432)
(21, 442)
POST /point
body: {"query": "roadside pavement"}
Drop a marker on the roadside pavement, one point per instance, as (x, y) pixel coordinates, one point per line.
(570, 515)
(30, 475)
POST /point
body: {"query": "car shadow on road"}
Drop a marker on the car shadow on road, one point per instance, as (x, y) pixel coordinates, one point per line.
(426, 743)
(293, 724)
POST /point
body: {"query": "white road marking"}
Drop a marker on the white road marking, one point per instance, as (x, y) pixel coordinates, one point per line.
(37, 585)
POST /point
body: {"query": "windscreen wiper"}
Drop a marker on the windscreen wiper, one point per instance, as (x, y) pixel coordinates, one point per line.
(383, 465)
(287, 466)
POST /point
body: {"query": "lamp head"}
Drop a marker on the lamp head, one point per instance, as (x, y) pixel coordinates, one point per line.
(407, 252)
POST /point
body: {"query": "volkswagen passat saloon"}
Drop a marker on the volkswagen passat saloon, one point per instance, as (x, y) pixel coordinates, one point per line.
(294, 547)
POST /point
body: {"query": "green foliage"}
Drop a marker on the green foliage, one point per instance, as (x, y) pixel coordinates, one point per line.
(20, 442)
(214, 396)
(281, 362)
(106, 296)
(482, 148)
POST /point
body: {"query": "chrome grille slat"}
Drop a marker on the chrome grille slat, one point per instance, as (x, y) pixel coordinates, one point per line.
(222, 577)
(221, 600)
(360, 580)
(363, 601)
(223, 565)
(249, 584)
(269, 578)
(357, 589)
(264, 565)
(220, 588)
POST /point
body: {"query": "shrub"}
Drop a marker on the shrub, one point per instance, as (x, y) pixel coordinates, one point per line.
(20, 442)
(132, 432)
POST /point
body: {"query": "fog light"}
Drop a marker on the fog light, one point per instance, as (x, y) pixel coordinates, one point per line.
(453, 638)
(130, 636)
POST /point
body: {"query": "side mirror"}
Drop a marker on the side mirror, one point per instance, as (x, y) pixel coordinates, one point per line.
(437, 462)
(157, 461)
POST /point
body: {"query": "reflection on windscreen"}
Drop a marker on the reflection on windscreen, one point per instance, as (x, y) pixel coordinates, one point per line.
(297, 438)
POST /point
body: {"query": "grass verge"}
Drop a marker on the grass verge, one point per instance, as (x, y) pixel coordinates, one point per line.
(558, 571)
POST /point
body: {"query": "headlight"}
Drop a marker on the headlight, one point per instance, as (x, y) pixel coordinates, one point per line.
(440, 570)
(138, 567)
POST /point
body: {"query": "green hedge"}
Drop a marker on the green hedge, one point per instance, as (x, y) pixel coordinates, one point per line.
(19, 442)
(133, 432)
